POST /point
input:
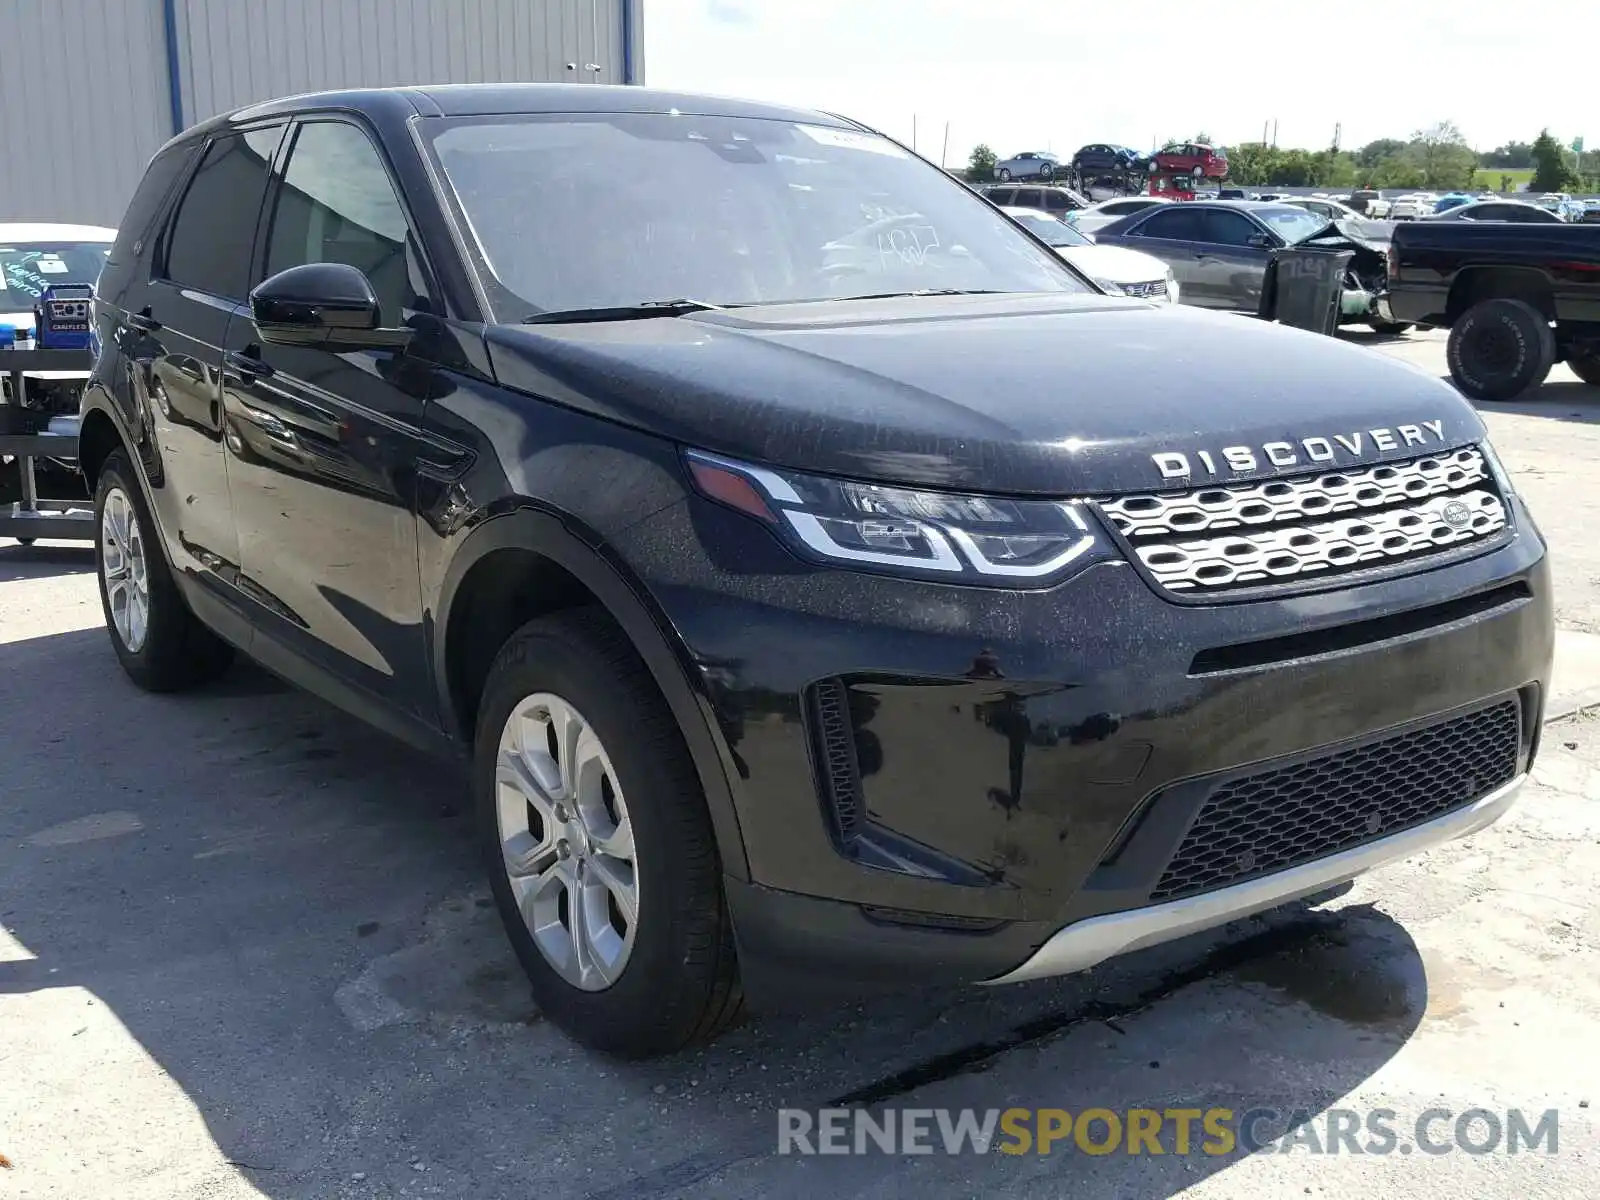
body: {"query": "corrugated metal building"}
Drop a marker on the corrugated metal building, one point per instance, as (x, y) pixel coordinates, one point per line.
(91, 88)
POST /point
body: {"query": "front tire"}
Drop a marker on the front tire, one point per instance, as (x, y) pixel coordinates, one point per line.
(1500, 349)
(599, 845)
(160, 643)
(1005, 175)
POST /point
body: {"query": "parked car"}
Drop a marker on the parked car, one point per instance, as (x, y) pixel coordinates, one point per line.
(1452, 200)
(1370, 203)
(1218, 251)
(1517, 297)
(799, 623)
(1499, 210)
(1328, 210)
(1102, 158)
(1056, 200)
(1412, 207)
(33, 257)
(1030, 164)
(1591, 211)
(1114, 269)
(1191, 158)
(1097, 216)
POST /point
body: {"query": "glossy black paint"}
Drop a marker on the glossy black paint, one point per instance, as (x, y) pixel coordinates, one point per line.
(1435, 262)
(346, 515)
(1009, 394)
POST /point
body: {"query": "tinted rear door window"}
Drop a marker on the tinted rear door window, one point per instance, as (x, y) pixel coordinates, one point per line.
(1174, 224)
(208, 246)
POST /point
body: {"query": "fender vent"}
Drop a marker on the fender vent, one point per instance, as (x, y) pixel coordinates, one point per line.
(836, 756)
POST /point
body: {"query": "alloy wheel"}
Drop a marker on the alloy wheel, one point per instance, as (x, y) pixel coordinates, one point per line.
(566, 841)
(124, 569)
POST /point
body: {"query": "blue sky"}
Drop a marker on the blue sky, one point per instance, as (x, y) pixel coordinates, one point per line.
(1044, 74)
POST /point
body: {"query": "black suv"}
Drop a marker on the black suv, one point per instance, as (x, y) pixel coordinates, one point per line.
(823, 582)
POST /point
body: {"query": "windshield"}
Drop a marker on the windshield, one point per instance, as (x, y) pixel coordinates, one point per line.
(610, 210)
(1048, 229)
(27, 268)
(1290, 223)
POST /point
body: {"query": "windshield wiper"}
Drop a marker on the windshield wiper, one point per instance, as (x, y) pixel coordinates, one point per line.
(926, 292)
(623, 312)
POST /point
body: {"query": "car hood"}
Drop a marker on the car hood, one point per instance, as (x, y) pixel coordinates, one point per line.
(1018, 394)
(1117, 264)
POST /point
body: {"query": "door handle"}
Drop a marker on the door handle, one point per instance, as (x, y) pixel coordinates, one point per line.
(247, 365)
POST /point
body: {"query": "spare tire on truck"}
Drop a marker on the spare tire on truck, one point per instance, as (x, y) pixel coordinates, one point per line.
(1499, 349)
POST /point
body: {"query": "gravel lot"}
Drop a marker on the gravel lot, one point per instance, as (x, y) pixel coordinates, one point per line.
(244, 951)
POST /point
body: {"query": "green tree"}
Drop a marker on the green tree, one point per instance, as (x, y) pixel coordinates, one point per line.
(1442, 154)
(1552, 169)
(1250, 164)
(1517, 156)
(1373, 153)
(980, 166)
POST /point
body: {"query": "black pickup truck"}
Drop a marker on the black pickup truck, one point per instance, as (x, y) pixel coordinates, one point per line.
(1517, 298)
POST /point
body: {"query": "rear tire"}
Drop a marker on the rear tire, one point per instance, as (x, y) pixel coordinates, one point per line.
(1005, 175)
(160, 643)
(659, 972)
(1586, 367)
(1500, 349)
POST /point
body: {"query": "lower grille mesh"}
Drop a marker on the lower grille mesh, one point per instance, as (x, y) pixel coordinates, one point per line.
(836, 748)
(1282, 818)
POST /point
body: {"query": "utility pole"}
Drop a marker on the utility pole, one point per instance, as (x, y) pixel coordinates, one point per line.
(1274, 133)
(1264, 125)
(1338, 128)
(945, 149)
(913, 131)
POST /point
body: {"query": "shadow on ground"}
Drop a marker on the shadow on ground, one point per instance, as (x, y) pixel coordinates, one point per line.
(285, 911)
(40, 561)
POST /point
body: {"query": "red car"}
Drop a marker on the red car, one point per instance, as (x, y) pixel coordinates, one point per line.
(1192, 158)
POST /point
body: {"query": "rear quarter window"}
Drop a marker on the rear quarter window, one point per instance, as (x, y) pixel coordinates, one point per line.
(162, 176)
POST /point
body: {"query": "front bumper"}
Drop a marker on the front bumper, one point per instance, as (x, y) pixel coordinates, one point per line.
(1003, 747)
(1084, 944)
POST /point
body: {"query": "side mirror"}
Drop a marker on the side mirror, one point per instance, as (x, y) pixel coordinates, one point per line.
(1260, 241)
(327, 305)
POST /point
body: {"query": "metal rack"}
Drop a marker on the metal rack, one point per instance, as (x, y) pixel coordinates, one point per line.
(31, 517)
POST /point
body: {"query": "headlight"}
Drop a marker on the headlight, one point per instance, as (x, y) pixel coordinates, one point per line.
(1105, 285)
(979, 539)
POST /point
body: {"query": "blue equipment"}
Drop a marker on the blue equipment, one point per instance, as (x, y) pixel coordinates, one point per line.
(62, 317)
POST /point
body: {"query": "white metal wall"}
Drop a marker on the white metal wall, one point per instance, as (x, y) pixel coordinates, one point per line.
(83, 106)
(85, 102)
(235, 52)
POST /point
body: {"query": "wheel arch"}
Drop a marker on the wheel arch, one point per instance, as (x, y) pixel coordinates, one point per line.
(527, 562)
(1475, 284)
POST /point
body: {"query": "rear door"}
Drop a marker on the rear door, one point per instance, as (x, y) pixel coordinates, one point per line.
(176, 331)
(1173, 236)
(324, 446)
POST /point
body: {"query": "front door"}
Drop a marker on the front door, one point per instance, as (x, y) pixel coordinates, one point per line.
(323, 446)
(1229, 269)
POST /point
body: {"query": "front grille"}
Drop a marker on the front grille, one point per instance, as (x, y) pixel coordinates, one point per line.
(1232, 536)
(1144, 291)
(1292, 815)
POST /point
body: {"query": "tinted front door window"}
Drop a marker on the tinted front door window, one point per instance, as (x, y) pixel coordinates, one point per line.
(338, 206)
